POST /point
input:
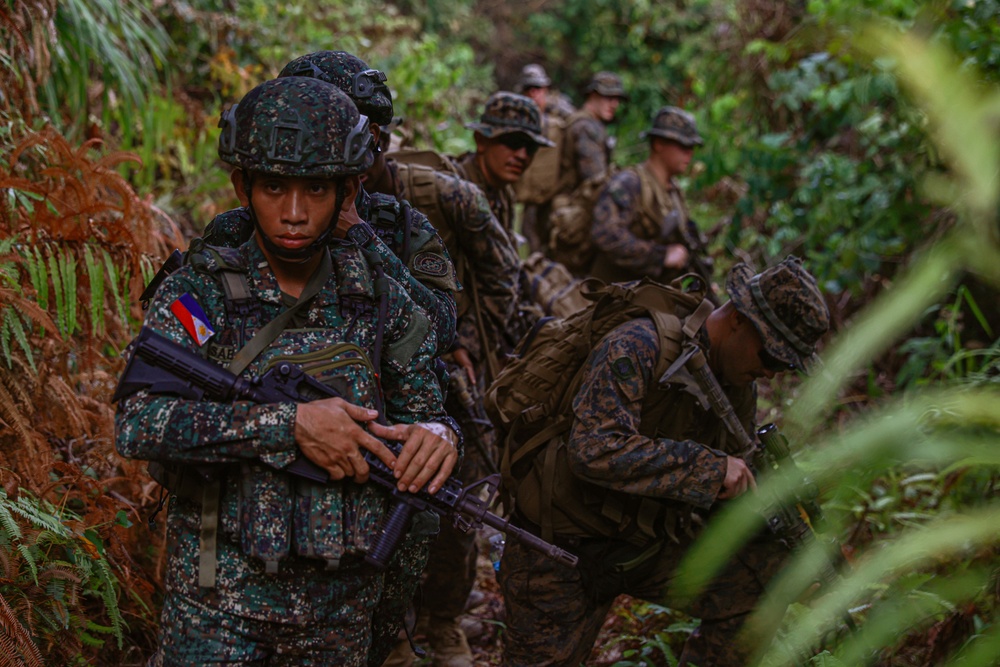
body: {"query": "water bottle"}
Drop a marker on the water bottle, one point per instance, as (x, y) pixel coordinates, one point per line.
(496, 550)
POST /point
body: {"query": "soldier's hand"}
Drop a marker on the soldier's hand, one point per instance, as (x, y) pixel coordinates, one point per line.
(676, 257)
(330, 434)
(739, 478)
(428, 454)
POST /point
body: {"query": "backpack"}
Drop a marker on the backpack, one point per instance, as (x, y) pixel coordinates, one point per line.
(551, 286)
(570, 222)
(530, 401)
(540, 181)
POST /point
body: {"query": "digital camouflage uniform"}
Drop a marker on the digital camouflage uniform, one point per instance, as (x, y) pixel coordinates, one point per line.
(426, 260)
(631, 235)
(536, 187)
(633, 440)
(291, 587)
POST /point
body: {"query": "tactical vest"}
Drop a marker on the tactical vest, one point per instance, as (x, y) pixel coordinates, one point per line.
(270, 514)
(530, 403)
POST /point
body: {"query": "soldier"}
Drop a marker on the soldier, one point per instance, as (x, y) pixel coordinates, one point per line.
(282, 579)
(539, 182)
(643, 463)
(584, 167)
(413, 252)
(508, 135)
(641, 225)
(488, 267)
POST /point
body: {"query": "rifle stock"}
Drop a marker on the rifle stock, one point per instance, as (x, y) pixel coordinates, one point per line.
(161, 366)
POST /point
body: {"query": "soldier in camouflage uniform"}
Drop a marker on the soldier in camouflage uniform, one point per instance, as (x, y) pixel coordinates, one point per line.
(413, 252)
(537, 187)
(641, 225)
(488, 267)
(282, 580)
(508, 135)
(586, 150)
(642, 459)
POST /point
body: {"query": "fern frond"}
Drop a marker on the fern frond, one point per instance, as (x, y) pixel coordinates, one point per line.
(7, 522)
(12, 325)
(109, 594)
(15, 418)
(95, 274)
(27, 308)
(67, 265)
(62, 395)
(57, 290)
(39, 276)
(114, 279)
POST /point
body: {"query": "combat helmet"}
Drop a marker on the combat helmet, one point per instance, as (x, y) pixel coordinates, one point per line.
(507, 113)
(366, 86)
(676, 125)
(296, 126)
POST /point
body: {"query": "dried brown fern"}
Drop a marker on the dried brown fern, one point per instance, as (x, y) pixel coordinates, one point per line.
(26, 30)
(17, 649)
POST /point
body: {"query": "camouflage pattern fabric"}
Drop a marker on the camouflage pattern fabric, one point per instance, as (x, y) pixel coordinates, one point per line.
(507, 113)
(586, 152)
(607, 84)
(553, 615)
(296, 126)
(430, 279)
(265, 515)
(365, 86)
(629, 240)
(480, 247)
(501, 199)
(633, 439)
(785, 305)
(533, 75)
(674, 124)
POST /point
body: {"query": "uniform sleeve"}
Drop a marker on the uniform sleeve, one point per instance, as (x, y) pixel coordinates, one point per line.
(591, 150)
(615, 211)
(438, 304)
(411, 388)
(166, 428)
(487, 248)
(605, 446)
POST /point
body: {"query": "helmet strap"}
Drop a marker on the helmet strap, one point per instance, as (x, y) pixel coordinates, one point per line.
(301, 255)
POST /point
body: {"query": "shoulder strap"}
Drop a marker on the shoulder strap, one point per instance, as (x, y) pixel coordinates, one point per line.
(273, 329)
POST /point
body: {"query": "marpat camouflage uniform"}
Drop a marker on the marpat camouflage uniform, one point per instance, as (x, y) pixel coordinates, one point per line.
(634, 439)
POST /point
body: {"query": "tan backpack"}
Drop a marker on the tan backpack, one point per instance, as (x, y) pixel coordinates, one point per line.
(552, 287)
(540, 182)
(529, 402)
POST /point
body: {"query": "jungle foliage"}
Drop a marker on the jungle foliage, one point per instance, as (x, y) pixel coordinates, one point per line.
(864, 136)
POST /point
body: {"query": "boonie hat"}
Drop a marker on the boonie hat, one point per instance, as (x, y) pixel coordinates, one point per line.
(674, 124)
(608, 84)
(785, 305)
(533, 76)
(506, 113)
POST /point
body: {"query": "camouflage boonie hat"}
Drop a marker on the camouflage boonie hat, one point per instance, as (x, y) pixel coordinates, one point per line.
(674, 124)
(364, 85)
(296, 126)
(785, 306)
(608, 84)
(533, 76)
(506, 113)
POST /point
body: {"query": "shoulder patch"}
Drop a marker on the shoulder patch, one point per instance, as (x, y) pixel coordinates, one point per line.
(430, 264)
(623, 368)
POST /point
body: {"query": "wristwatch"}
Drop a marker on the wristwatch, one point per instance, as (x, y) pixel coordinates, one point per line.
(361, 234)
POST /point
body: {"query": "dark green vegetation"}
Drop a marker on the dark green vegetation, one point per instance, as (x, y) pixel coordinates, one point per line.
(864, 136)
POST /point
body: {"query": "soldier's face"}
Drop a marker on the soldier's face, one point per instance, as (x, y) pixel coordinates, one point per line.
(292, 211)
(503, 159)
(676, 158)
(740, 359)
(606, 107)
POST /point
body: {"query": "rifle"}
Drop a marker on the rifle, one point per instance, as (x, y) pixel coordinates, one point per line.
(473, 414)
(161, 366)
(794, 523)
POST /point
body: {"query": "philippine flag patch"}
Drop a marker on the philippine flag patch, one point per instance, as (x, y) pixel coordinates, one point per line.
(193, 318)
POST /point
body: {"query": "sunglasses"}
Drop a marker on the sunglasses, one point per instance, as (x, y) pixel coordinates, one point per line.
(774, 364)
(516, 142)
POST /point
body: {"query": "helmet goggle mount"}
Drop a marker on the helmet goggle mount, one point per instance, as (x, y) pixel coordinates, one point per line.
(287, 132)
(367, 82)
(358, 143)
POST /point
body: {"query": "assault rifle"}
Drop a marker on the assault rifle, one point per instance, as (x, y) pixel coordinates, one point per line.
(161, 366)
